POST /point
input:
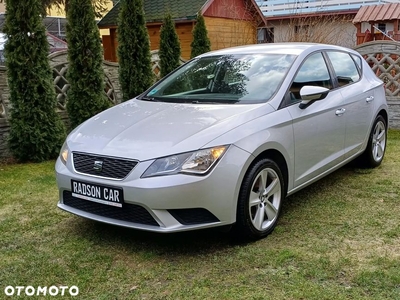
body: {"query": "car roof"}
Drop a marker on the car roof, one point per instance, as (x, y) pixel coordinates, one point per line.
(276, 48)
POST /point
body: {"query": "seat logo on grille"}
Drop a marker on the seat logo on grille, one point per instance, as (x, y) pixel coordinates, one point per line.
(98, 165)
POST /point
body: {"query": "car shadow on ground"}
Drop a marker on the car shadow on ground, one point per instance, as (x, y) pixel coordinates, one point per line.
(189, 242)
(197, 241)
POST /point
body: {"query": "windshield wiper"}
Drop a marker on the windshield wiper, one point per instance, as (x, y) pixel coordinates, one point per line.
(204, 102)
(145, 98)
(215, 102)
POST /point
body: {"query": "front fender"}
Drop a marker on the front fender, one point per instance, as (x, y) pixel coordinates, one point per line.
(273, 131)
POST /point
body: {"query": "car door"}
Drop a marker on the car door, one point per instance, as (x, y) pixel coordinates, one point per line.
(358, 98)
(319, 129)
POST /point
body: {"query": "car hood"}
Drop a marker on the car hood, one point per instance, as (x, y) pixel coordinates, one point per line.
(145, 130)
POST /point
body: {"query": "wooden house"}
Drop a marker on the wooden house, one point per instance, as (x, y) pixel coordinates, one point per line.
(229, 23)
(378, 22)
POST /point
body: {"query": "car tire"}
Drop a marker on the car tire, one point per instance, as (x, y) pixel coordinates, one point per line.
(376, 147)
(260, 200)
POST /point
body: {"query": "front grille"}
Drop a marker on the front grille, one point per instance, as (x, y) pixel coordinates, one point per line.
(193, 216)
(129, 212)
(114, 168)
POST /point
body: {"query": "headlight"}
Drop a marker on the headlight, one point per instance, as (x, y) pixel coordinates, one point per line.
(64, 153)
(196, 163)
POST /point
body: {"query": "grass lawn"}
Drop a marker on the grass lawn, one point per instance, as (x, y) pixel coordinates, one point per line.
(337, 239)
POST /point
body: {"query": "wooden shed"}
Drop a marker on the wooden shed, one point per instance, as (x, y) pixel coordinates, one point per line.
(229, 23)
(378, 22)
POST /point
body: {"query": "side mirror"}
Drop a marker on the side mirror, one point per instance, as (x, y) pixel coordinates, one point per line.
(309, 94)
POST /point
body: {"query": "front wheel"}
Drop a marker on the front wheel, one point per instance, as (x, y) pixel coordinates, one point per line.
(260, 200)
(375, 151)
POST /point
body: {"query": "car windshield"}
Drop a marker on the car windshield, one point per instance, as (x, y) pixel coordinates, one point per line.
(239, 78)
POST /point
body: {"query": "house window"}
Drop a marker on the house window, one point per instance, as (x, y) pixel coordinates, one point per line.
(270, 35)
(301, 29)
(265, 35)
(382, 27)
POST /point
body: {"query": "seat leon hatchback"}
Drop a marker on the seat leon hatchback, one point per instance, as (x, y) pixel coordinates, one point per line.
(224, 139)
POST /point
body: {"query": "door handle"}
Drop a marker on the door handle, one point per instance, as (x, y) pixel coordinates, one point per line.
(369, 99)
(340, 112)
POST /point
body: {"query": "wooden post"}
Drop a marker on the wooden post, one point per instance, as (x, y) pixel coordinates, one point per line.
(396, 31)
(359, 34)
(113, 37)
(372, 30)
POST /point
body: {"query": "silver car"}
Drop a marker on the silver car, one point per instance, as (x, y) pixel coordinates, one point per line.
(224, 139)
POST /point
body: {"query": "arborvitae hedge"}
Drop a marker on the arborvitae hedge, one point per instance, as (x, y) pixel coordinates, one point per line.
(201, 43)
(85, 75)
(135, 73)
(36, 132)
(170, 48)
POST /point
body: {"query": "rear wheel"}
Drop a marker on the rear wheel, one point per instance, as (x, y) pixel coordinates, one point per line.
(260, 200)
(375, 151)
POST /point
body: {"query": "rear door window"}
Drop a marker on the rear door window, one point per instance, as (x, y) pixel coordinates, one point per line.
(345, 68)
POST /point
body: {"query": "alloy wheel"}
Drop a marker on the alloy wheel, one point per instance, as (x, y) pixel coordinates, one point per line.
(265, 199)
(378, 141)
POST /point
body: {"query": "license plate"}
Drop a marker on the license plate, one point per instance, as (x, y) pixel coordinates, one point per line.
(97, 193)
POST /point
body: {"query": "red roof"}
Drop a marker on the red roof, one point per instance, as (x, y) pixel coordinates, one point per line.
(383, 12)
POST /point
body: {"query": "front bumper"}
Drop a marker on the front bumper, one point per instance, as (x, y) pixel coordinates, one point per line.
(165, 203)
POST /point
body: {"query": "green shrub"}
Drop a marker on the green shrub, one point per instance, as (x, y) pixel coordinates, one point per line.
(36, 132)
(170, 49)
(135, 73)
(201, 43)
(85, 74)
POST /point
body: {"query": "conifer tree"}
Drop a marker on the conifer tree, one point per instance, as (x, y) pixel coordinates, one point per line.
(170, 49)
(85, 75)
(201, 43)
(36, 132)
(135, 73)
